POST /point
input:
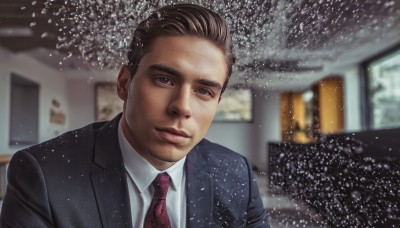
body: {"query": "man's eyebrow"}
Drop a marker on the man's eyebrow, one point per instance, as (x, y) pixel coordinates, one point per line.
(166, 69)
(210, 83)
(172, 71)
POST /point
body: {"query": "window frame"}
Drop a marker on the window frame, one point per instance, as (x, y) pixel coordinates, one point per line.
(367, 122)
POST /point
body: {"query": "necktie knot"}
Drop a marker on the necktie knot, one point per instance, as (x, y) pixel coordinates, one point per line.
(161, 185)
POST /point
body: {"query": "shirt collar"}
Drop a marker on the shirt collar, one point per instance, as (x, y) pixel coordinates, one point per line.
(141, 171)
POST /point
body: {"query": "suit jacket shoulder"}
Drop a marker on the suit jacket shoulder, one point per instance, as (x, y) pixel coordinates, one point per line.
(221, 179)
(74, 180)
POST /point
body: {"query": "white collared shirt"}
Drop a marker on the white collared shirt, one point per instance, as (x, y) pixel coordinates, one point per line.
(140, 176)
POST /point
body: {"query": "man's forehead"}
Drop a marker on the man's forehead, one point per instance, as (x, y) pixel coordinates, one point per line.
(159, 40)
(186, 49)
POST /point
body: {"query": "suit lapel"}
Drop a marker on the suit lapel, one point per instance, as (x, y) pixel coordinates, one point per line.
(109, 183)
(199, 190)
(112, 197)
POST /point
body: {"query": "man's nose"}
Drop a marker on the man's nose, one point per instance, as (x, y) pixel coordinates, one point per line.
(180, 105)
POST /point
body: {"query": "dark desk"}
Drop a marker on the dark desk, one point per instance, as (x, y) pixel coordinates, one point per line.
(352, 180)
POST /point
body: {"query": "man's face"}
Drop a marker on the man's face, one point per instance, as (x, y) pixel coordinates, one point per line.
(171, 100)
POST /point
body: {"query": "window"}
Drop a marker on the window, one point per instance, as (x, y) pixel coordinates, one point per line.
(24, 111)
(383, 91)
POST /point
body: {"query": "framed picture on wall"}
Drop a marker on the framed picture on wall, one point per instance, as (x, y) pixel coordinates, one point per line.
(108, 104)
(236, 106)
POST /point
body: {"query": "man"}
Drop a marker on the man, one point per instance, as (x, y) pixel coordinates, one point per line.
(149, 166)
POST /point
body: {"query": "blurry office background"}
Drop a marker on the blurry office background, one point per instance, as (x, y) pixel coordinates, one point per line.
(314, 73)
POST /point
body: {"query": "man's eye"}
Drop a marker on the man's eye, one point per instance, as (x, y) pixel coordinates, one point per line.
(205, 92)
(164, 80)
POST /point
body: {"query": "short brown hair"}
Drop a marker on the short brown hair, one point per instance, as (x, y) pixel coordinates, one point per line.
(182, 19)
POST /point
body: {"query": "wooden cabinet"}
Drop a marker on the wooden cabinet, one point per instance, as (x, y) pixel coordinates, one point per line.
(308, 114)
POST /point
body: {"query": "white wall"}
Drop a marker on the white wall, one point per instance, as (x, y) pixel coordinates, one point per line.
(81, 95)
(352, 99)
(250, 139)
(81, 103)
(234, 136)
(266, 126)
(52, 86)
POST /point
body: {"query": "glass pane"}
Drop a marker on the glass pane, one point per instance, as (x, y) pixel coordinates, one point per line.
(384, 91)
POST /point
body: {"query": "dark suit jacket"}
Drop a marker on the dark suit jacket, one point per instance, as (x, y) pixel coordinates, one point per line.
(78, 180)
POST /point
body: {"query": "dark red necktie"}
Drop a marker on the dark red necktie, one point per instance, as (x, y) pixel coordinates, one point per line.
(157, 215)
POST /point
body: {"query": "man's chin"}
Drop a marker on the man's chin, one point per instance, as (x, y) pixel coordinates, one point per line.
(167, 152)
(170, 159)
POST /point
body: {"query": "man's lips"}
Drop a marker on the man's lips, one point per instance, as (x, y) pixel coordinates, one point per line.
(173, 135)
(174, 131)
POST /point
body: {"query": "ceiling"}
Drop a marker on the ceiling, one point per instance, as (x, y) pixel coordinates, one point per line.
(280, 44)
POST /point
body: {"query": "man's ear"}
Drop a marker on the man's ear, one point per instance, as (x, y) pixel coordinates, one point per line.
(123, 82)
